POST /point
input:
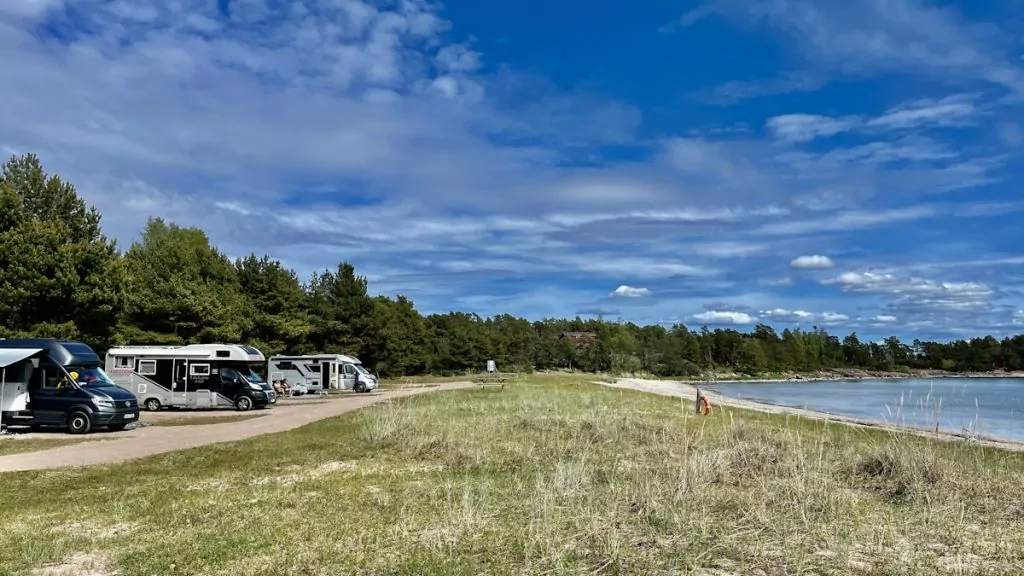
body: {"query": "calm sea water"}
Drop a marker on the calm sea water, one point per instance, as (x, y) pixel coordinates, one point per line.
(986, 406)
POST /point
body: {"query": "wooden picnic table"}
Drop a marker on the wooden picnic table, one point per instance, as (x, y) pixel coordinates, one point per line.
(495, 379)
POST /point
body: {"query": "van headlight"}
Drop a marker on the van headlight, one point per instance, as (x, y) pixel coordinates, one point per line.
(255, 386)
(103, 403)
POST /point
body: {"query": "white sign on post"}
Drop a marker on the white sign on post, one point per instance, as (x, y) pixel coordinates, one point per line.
(491, 366)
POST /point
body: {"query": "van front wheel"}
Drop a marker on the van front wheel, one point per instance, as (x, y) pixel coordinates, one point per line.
(243, 403)
(79, 422)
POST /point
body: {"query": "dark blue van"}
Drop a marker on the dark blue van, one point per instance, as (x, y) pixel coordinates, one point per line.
(47, 382)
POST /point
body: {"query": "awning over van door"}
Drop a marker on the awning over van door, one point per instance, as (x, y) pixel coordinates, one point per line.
(10, 356)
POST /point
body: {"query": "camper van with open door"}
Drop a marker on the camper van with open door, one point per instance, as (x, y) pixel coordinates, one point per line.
(47, 382)
(192, 376)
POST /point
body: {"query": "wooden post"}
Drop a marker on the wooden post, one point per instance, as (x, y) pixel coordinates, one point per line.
(697, 402)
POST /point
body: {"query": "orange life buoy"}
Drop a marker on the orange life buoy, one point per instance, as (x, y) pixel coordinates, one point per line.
(705, 405)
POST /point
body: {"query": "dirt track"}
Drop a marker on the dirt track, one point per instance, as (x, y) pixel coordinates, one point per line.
(689, 390)
(147, 441)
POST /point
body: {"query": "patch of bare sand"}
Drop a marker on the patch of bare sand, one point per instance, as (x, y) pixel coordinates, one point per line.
(78, 564)
(295, 473)
(689, 391)
(94, 530)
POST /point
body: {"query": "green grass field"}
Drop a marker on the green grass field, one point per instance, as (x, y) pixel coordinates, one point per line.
(551, 476)
(20, 445)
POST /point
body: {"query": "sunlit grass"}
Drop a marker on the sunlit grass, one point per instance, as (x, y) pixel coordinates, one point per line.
(22, 445)
(552, 475)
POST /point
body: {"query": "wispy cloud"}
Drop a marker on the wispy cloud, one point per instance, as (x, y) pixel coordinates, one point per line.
(326, 130)
(958, 110)
(878, 36)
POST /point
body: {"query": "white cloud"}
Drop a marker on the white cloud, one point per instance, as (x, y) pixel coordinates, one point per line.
(629, 292)
(815, 261)
(29, 8)
(456, 58)
(916, 293)
(804, 317)
(884, 319)
(724, 317)
(807, 127)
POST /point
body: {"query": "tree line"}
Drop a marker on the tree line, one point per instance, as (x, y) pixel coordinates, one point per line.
(61, 277)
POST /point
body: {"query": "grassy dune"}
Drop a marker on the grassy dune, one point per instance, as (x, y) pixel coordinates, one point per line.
(551, 476)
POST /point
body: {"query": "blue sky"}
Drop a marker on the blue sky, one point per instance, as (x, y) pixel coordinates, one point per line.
(853, 165)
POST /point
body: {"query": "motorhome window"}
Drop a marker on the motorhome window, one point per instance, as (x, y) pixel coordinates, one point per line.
(285, 366)
(360, 369)
(199, 370)
(349, 369)
(223, 354)
(313, 367)
(147, 367)
(123, 361)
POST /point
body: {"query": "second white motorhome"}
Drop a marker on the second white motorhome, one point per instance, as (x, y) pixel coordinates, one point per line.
(192, 376)
(322, 372)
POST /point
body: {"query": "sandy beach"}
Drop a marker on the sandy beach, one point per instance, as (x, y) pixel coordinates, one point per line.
(689, 390)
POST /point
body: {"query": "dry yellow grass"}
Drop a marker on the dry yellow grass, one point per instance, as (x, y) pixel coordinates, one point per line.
(553, 476)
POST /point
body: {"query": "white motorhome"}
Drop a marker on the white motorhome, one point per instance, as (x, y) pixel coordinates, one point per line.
(192, 376)
(322, 372)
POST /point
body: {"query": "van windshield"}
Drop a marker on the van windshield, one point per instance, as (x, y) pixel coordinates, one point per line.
(360, 369)
(247, 372)
(253, 376)
(87, 376)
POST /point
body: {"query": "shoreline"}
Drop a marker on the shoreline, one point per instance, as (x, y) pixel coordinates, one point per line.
(798, 378)
(688, 390)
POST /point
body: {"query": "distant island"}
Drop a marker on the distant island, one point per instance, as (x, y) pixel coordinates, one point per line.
(849, 374)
